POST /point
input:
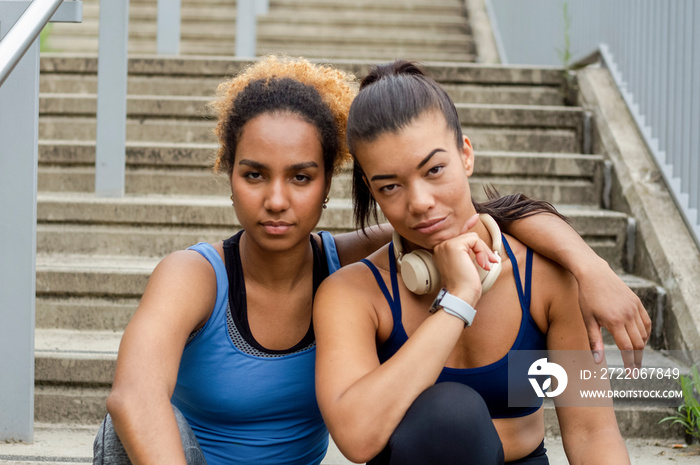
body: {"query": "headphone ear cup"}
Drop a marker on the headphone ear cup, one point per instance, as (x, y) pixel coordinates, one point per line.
(419, 273)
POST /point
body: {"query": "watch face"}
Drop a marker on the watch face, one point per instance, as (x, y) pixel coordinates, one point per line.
(436, 303)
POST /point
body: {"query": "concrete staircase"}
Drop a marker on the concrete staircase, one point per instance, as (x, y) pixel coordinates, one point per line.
(95, 254)
(312, 28)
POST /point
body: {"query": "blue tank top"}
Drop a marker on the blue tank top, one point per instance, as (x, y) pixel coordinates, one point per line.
(244, 405)
(490, 381)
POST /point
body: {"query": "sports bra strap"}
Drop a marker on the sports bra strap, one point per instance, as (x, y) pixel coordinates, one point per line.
(528, 278)
(523, 295)
(395, 301)
(380, 280)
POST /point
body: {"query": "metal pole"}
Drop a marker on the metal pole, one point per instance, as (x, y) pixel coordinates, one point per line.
(168, 27)
(19, 134)
(110, 151)
(262, 7)
(695, 99)
(17, 41)
(245, 28)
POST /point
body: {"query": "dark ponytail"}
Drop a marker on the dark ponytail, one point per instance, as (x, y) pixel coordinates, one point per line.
(391, 97)
(508, 208)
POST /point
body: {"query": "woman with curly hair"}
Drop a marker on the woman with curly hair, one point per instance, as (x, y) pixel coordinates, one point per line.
(217, 363)
(223, 331)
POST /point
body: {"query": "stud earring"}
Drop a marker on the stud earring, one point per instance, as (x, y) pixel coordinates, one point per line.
(233, 204)
(325, 203)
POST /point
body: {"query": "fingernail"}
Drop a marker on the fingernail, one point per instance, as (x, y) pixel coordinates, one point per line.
(597, 357)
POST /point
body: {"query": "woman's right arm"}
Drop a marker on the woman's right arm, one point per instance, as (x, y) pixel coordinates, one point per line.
(178, 298)
(363, 401)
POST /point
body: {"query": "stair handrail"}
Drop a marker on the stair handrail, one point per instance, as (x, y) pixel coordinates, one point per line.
(23, 34)
(653, 52)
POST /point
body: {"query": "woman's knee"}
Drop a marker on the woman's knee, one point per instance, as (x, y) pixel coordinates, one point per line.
(447, 423)
(108, 448)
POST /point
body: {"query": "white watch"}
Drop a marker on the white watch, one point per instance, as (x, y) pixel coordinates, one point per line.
(454, 306)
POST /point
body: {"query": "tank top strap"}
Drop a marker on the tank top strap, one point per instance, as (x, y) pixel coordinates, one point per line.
(523, 291)
(212, 256)
(330, 250)
(393, 297)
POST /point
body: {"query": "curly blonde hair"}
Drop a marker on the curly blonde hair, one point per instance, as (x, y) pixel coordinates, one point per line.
(336, 89)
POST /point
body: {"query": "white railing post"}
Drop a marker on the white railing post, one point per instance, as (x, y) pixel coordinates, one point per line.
(112, 68)
(20, 24)
(19, 111)
(246, 23)
(168, 37)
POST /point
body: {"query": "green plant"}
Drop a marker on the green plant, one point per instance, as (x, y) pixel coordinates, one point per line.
(570, 88)
(565, 54)
(44, 38)
(689, 411)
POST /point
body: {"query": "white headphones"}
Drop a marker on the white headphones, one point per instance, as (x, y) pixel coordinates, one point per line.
(421, 276)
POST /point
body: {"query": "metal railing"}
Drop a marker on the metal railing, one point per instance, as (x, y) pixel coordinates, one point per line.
(652, 48)
(110, 146)
(21, 22)
(24, 33)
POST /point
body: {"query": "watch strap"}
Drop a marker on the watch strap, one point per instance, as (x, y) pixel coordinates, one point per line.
(457, 307)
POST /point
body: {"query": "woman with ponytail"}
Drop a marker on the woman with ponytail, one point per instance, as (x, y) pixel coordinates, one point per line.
(413, 356)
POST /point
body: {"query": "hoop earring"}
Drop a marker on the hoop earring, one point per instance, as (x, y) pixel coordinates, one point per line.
(325, 203)
(233, 204)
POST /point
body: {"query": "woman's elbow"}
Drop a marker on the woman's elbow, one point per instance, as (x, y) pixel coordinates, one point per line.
(122, 401)
(117, 403)
(358, 446)
(359, 453)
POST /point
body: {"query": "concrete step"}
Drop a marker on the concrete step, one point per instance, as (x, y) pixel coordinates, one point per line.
(185, 107)
(205, 87)
(108, 313)
(201, 182)
(283, 46)
(117, 276)
(450, 72)
(556, 189)
(74, 370)
(179, 119)
(604, 230)
(172, 169)
(307, 35)
(136, 85)
(446, 23)
(84, 313)
(71, 444)
(190, 8)
(454, 7)
(139, 235)
(142, 13)
(360, 31)
(157, 130)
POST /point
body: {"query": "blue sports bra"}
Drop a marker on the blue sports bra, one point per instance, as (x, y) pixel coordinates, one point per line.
(490, 381)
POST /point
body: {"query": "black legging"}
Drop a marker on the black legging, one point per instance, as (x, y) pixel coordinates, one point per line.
(448, 423)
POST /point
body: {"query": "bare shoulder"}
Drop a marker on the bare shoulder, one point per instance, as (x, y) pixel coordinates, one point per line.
(348, 279)
(182, 288)
(353, 284)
